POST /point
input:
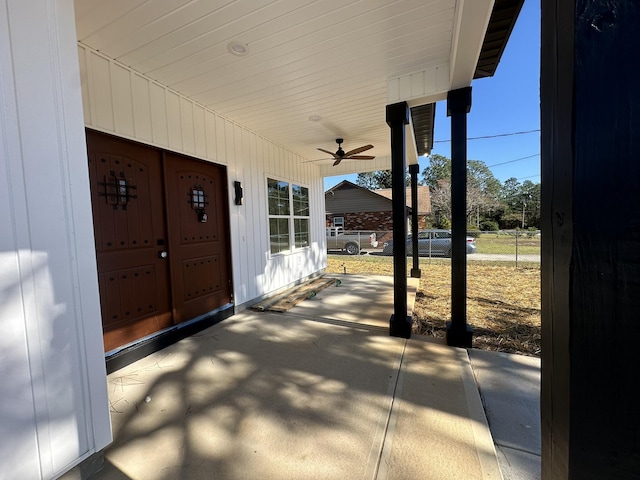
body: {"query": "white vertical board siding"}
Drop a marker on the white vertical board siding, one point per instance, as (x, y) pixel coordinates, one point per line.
(161, 117)
(123, 101)
(210, 136)
(188, 133)
(199, 131)
(252, 207)
(141, 104)
(159, 125)
(174, 121)
(99, 80)
(54, 407)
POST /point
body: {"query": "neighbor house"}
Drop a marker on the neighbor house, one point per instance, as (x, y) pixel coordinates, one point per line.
(423, 202)
(353, 207)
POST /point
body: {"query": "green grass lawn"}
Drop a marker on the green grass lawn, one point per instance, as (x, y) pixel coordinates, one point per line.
(503, 302)
(494, 243)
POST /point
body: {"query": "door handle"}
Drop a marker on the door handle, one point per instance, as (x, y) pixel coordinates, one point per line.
(163, 254)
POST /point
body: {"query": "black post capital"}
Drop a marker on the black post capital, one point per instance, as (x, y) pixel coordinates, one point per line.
(398, 114)
(414, 169)
(459, 101)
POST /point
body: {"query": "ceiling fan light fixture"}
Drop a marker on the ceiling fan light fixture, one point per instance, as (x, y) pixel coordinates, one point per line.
(237, 49)
(350, 155)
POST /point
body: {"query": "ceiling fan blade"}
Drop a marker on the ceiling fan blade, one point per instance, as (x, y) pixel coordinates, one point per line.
(360, 157)
(358, 150)
(330, 153)
(337, 162)
(317, 160)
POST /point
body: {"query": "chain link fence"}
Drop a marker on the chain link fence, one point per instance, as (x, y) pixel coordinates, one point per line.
(516, 247)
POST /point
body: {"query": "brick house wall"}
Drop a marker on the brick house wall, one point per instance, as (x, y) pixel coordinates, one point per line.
(379, 222)
(369, 211)
(373, 221)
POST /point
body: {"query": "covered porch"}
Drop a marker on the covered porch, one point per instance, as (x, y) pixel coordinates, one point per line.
(321, 391)
(260, 90)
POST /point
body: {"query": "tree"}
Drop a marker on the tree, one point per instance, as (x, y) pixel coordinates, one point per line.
(522, 201)
(531, 201)
(377, 180)
(439, 168)
(366, 180)
(480, 177)
(510, 193)
(441, 203)
(482, 188)
(477, 203)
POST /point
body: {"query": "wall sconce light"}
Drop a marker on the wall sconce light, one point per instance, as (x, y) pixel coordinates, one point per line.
(237, 186)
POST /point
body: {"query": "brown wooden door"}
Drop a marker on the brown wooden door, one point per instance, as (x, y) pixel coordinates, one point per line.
(198, 235)
(159, 262)
(130, 232)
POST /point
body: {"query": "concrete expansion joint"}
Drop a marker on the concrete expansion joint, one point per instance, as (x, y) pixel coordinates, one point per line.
(384, 458)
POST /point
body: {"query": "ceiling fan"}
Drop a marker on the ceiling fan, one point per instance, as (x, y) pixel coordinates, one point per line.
(340, 154)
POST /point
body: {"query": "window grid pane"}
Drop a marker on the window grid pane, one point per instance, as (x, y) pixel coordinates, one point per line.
(278, 197)
(301, 232)
(300, 201)
(279, 234)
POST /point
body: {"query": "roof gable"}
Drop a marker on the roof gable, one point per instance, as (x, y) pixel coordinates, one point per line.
(424, 198)
(347, 197)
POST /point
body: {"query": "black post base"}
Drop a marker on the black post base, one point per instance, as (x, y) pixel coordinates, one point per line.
(400, 328)
(459, 337)
(416, 273)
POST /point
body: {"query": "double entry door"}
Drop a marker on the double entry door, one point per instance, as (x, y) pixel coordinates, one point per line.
(161, 230)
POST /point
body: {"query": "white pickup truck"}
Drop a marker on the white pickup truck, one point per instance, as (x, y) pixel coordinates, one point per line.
(349, 242)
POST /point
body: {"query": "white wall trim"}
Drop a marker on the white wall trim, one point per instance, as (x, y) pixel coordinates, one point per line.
(57, 410)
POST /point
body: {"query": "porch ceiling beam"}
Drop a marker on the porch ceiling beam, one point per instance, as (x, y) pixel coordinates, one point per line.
(424, 86)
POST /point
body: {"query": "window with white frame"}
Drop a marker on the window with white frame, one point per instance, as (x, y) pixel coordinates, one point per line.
(338, 222)
(288, 215)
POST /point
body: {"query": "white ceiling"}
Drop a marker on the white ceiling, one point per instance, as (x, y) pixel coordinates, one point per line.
(326, 58)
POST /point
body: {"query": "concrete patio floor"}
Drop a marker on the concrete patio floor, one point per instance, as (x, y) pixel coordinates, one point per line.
(318, 392)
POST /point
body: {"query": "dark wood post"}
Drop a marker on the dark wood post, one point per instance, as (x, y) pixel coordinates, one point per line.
(397, 118)
(459, 334)
(413, 170)
(590, 146)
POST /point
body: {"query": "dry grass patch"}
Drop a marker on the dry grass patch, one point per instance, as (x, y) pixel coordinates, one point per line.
(503, 302)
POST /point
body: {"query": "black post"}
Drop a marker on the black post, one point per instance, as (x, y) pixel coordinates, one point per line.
(590, 276)
(397, 118)
(413, 170)
(459, 334)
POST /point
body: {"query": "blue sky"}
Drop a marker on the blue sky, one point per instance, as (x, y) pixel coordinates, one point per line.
(506, 103)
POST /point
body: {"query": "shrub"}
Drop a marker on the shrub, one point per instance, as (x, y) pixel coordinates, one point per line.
(489, 226)
(444, 223)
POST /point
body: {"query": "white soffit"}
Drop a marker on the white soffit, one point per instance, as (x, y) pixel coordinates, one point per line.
(471, 21)
(432, 84)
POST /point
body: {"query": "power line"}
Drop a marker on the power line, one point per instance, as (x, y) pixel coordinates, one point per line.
(493, 136)
(516, 160)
